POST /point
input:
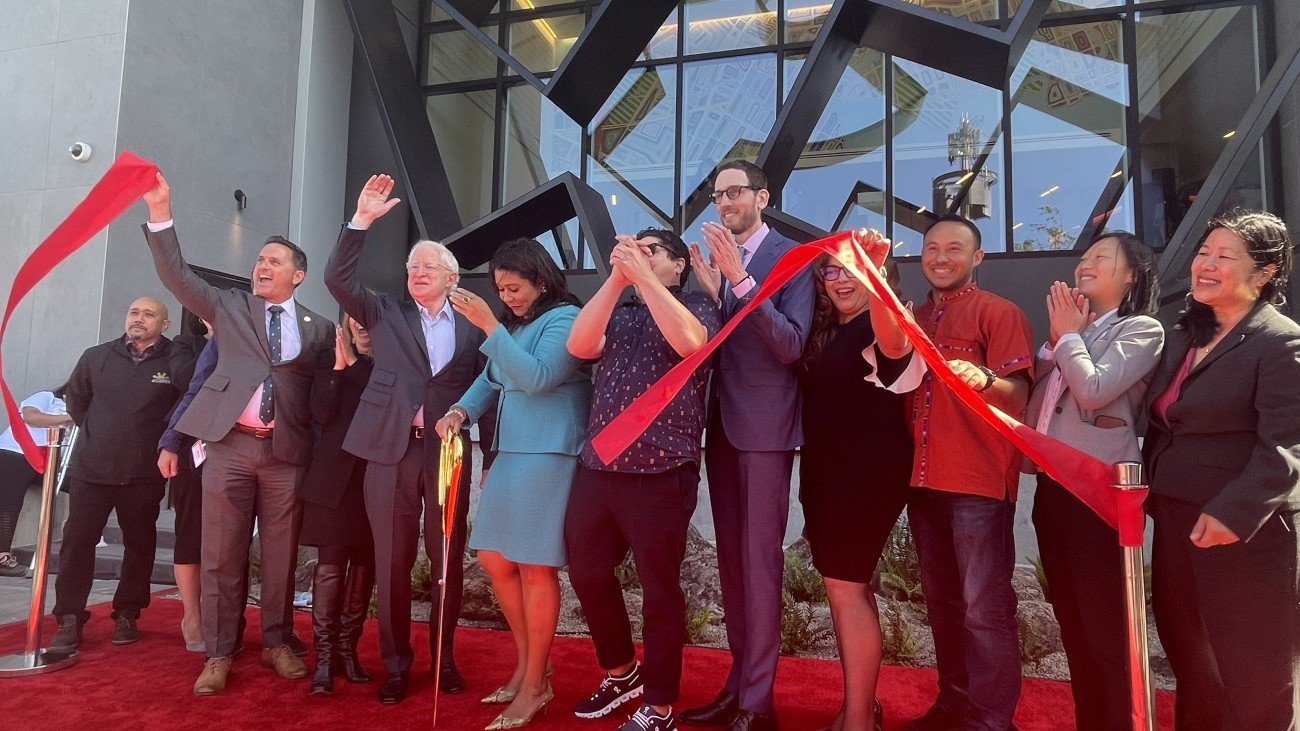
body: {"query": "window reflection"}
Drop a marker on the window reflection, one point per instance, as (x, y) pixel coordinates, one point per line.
(633, 139)
(464, 124)
(728, 109)
(945, 126)
(721, 25)
(1196, 73)
(1069, 147)
(542, 43)
(541, 142)
(458, 56)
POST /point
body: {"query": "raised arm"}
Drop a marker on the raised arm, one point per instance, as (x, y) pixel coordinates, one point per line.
(1129, 358)
(196, 294)
(341, 269)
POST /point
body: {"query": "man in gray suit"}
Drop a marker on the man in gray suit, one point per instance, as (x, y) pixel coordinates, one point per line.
(753, 431)
(253, 414)
(426, 357)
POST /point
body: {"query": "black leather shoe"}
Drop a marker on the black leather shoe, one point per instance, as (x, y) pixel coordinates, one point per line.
(450, 681)
(936, 719)
(751, 721)
(719, 712)
(878, 713)
(393, 690)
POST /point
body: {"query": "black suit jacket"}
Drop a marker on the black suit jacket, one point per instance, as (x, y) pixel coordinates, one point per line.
(1232, 444)
(401, 381)
(244, 359)
(333, 403)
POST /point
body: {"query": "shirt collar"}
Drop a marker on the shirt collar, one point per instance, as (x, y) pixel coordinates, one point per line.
(135, 351)
(444, 312)
(1103, 318)
(290, 307)
(947, 297)
(751, 243)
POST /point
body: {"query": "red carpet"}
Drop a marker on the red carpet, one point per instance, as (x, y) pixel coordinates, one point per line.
(148, 686)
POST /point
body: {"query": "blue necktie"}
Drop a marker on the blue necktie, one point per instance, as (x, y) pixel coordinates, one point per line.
(267, 408)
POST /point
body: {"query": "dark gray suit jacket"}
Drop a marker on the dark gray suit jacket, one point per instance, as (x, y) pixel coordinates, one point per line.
(244, 360)
(400, 383)
(1232, 444)
(754, 382)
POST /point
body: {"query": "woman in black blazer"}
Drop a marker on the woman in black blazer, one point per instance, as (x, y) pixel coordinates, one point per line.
(334, 516)
(1223, 453)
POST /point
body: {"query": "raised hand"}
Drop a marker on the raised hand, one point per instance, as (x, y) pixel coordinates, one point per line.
(159, 200)
(474, 309)
(1067, 311)
(722, 249)
(343, 354)
(373, 201)
(631, 259)
(706, 273)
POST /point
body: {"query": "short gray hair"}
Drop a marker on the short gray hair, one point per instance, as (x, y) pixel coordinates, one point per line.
(442, 253)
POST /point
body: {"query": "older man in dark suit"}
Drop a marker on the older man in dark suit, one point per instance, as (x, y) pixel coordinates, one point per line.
(426, 357)
(253, 413)
(753, 431)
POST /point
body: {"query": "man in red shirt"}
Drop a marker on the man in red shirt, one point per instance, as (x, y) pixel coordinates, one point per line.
(965, 476)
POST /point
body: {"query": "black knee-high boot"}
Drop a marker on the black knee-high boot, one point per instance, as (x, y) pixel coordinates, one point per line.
(326, 602)
(356, 606)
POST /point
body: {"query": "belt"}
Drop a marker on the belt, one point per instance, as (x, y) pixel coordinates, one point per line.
(417, 432)
(261, 432)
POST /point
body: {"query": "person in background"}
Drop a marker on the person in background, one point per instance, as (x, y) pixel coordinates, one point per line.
(543, 397)
(334, 516)
(40, 411)
(1091, 377)
(854, 400)
(1222, 451)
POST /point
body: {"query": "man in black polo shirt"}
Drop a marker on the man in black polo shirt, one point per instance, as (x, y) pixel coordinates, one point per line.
(119, 395)
(644, 498)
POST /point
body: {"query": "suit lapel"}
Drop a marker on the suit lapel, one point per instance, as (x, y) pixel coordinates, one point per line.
(411, 313)
(1234, 338)
(307, 327)
(257, 312)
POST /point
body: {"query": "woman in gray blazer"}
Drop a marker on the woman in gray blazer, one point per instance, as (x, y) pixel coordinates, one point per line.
(1223, 453)
(1090, 382)
(543, 396)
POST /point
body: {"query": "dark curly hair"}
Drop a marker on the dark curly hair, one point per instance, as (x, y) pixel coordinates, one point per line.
(530, 261)
(675, 246)
(1267, 242)
(825, 317)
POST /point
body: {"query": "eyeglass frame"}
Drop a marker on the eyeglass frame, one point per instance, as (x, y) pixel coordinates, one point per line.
(716, 196)
(416, 267)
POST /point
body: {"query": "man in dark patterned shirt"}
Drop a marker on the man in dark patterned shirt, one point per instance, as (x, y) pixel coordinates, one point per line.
(644, 498)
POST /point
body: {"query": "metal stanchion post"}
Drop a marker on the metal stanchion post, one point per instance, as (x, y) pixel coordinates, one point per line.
(35, 659)
(1128, 476)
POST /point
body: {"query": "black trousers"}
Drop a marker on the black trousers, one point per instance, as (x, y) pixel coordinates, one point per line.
(1085, 578)
(610, 512)
(396, 498)
(16, 477)
(137, 506)
(1228, 618)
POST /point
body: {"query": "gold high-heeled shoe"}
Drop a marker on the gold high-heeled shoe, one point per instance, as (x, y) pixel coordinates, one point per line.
(505, 695)
(500, 695)
(503, 721)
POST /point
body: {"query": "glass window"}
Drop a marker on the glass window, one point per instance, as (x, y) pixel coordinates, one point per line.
(1069, 147)
(633, 138)
(664, 42)
(728, 109)
(1196, 74)
(458, 56)
(722, 25)
(542, 43)
(972, 10)
(804, 19)
(464, 124)
(839, 181)
(628, 207)
(1061, 6)
(944, 128)
(532, 4)
(541, 142)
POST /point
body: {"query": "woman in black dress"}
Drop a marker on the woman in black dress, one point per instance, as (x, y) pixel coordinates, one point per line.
(854, 470)
(334, 516)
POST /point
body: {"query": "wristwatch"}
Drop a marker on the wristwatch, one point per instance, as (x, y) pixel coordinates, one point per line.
(990, 375)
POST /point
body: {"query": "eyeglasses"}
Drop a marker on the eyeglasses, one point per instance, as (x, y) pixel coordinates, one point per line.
(732, 193)
(415, 268)
(831, 273)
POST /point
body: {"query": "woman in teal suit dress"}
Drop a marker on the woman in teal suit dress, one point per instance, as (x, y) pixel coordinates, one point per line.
(542, 395)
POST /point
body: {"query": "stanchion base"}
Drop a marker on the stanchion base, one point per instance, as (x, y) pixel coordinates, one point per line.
(19, 664)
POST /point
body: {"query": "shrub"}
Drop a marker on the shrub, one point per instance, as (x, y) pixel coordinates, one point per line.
(799, 630)
(802, 580)
(900, 574)
(901, 644)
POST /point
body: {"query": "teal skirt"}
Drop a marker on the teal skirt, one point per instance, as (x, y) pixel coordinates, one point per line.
(521, 512)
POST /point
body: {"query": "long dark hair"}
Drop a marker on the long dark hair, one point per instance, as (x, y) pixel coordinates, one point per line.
(530, 261)
(1267, 242)
(825, 317)
(1143, 297)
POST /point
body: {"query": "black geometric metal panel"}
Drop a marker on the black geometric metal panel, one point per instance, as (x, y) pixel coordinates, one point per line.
(1241, 148)
(544, 209)
(612, 40)
(401, 104)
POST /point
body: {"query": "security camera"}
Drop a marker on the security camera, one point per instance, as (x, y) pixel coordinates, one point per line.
(80, 151)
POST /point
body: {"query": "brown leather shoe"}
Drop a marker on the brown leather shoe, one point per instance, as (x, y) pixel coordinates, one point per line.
(286, 664)
(213, 678)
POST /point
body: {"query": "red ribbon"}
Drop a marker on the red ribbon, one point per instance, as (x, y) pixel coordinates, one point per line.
(1087, 477)
(129, 177)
